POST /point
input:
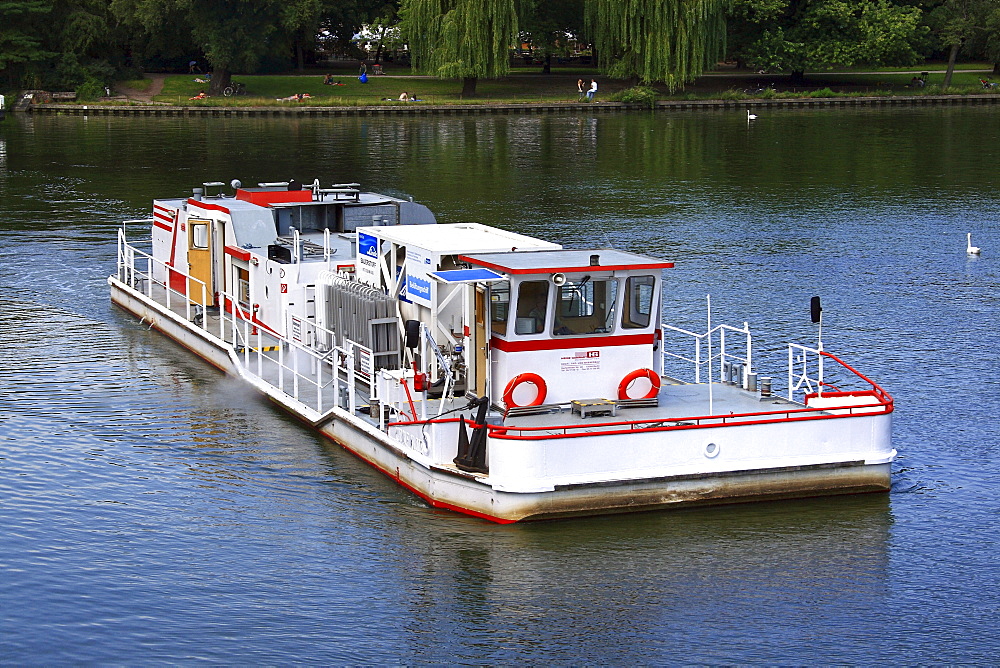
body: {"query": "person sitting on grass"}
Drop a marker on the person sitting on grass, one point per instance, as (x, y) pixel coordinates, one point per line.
(200, 96)
(403, 97)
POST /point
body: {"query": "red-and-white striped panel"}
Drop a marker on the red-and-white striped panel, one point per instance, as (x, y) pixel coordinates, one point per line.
(163, 218)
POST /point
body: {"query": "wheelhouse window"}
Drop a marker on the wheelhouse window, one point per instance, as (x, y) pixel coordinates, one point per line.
(499, 307)
(532, 303)
(199, 234)
(638, 307)
(585, 306)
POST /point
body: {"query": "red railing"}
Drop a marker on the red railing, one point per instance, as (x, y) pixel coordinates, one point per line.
(884, 397)
(582, 430)
(578, 430)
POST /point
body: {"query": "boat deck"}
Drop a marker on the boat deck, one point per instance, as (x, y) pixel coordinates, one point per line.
(677, 403)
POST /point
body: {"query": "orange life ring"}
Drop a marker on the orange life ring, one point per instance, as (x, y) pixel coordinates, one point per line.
(534, 379)
(649, 374)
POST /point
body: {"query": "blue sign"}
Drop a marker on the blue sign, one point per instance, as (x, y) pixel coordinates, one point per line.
(418, 288)
(367, 245)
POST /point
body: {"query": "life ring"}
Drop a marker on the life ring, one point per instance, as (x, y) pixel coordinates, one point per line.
(649, 374)
(534, 379)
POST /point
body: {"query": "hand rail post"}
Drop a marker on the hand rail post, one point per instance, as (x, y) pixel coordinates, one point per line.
(351, 382)
(722, 354)
(697, 359)
(790, 363)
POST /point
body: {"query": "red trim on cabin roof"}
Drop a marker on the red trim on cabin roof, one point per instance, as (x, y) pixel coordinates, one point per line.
(269, 197)
(238, 253)
(567, 343)
(206, 205)
(566, 270)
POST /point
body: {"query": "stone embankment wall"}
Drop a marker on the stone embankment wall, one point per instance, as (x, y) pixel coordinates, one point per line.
(419, 109)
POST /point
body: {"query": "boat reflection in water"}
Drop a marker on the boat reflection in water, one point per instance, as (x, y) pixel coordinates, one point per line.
(657, 576)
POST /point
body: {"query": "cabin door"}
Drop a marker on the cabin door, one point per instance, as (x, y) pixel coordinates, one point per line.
(480, 342)
(200, 262)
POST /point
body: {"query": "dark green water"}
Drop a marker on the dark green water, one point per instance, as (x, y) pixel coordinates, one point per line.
(155, 512)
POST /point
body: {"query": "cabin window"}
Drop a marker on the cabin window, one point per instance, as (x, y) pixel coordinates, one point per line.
(532, 302)
(243, 286)
(199, 235)
(638, 307)
(499, 307)
(585, 306)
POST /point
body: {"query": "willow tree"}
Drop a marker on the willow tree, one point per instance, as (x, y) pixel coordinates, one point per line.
(669, 41)
(460, 39)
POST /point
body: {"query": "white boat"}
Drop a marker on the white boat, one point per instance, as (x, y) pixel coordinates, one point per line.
(488, 372)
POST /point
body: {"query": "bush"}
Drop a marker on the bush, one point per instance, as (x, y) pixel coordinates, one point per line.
(643, 95)
(90, 89)
(823, 92)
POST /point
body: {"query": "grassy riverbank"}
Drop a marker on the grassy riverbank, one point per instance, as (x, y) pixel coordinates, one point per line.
(529, 85)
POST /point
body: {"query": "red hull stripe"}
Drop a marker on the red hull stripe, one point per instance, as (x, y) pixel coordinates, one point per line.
(238, 253)
(503, 432)
(566, 270)
(163, 226)
(572, 343)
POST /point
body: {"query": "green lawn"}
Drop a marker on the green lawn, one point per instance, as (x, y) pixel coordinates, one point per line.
(177, 89)
(526, 85)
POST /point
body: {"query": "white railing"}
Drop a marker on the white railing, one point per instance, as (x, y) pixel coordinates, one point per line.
(710, 347)
(144, 278)
(798, 370)
(314, 376)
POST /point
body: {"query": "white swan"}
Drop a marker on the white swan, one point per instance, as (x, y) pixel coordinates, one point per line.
(750, 116)
(970, 249)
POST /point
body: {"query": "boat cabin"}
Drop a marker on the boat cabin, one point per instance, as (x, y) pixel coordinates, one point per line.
(571, 325)
(267, 245)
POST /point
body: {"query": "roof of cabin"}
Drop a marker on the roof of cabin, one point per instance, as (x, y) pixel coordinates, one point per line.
(451, 238)
(564, 261)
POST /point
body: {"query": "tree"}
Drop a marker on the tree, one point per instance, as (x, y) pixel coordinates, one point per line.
(672, 41)
(550, 23)
(233, 35)
(970, 25)
(466, 39)
(60, 44)
(341, 20)
(801, 35)
(20, 36)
